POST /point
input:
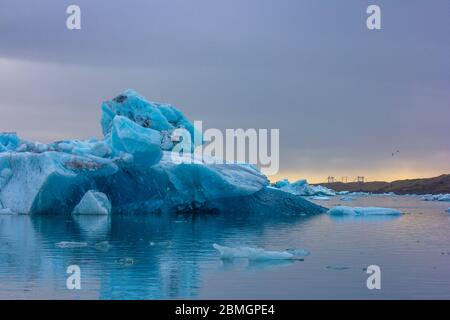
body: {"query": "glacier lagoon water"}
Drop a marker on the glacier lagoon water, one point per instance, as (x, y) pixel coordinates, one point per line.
(155, 257)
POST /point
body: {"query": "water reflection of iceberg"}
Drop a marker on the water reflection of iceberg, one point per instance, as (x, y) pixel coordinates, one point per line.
(167, 257)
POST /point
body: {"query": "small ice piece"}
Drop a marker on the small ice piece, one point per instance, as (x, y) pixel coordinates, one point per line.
(6, 211)
(448, 210)
(320, 198)
(362, 211)
(281, 183)
(444, 197)
(103, 246)
(342, 193)
(337, 268)
(320, 190)
(347, 199)
(71, 244)
(436, 197)
(93, 202)
(299, 252)
(252, 253)
(127, 261)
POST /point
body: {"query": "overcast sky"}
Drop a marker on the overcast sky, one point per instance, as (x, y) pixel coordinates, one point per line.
(343, 97)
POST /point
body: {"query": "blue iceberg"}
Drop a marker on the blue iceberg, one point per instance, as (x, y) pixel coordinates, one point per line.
(132, 169)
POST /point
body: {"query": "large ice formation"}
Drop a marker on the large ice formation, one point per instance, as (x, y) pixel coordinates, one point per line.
(132, 169)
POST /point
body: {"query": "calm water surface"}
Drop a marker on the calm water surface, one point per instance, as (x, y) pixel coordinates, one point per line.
(153, 257)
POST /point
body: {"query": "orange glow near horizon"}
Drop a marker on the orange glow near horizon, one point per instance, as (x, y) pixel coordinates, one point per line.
(320, 177)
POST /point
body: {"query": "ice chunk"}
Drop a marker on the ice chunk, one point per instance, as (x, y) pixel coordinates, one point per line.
(299, 252)
(257, 253)
(6, 211)
(9, 141)
(347, 199)
(281, 183)
(320, 198)
(142, 143)
(103, 246)
(362, 211)
(320, 190)
(93, 202)
(71, 244)
(359, 193)
(136, 108)
(436, 197)
(302, 188)
(338, 268)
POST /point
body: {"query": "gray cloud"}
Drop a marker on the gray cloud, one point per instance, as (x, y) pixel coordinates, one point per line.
(343, 97)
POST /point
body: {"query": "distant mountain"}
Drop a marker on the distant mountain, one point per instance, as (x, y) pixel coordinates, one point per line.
(434, 185)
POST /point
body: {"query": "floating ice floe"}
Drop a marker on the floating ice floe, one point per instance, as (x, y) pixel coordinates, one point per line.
(103, 246)
(132, 166)
(259, 253)
(347, 199)
(302, 188)
(359, 193)
(6, 211)
(338, 268)
(363, 211)
(71, 244)
(320, 198)
(436, 197)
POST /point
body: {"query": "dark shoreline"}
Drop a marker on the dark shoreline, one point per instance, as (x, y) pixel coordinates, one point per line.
(436, 185)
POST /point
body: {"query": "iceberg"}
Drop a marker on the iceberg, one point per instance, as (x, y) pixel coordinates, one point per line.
(302, 188)
(93, 202)
(133, 169)
(362, 211)
(436, 197)
(258, 253)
